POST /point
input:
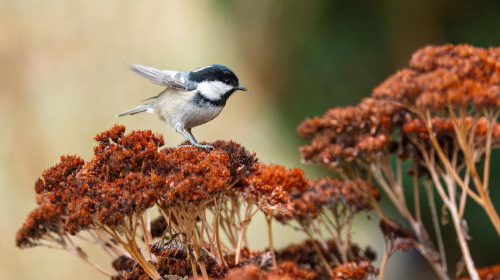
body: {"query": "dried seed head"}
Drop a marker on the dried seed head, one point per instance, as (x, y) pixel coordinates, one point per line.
(272, 185)
(344, 135)
(400, 237)
(127, 175)
(354, 271)
(439, 76)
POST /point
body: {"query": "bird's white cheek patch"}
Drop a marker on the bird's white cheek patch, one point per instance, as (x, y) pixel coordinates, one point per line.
(213, 90)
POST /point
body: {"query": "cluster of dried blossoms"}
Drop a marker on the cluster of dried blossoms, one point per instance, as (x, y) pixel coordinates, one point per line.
(440, 115)
(203, 201)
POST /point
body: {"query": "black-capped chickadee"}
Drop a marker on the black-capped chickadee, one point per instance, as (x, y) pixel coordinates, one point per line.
(190, 98)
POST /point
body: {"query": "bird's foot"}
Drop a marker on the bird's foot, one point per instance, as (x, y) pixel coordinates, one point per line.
(201, 146)
(205, 147)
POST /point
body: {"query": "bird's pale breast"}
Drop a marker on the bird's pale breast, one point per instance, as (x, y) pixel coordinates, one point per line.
(178, 109)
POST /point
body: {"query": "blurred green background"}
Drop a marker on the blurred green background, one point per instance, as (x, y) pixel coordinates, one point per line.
(64, 76)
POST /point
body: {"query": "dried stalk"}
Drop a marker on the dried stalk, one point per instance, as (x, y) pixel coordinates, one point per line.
(435, 223)
(80, 254)
(385, 261)
(269, 220)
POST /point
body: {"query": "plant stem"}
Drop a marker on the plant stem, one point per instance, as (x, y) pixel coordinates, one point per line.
(322, 258)
(148, 268)
(463, 244)
(269, 220)
(197, 254)
(384, 262)
(435, 223)
(147, 235)
(486, 171)
(80, 254)
(217, 233)
(416, 195)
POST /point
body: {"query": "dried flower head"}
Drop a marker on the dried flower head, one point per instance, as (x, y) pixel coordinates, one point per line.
(39, 224)
(53, 192)
(438, 77)
(354, 271)
(123, 263)
(445, 127)
(350, 134)
(328, 193)
(285, 271)
(356, 195)
(487, 273)
(53, 178)
(127, 175)
(447, 75)
(241, 160)
(399, 237)
(272, 186)
(194, 176)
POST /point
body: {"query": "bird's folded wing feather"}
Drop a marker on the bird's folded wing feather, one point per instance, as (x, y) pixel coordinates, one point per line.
(167, 78)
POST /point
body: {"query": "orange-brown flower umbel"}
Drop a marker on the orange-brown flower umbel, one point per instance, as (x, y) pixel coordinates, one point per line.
(331, 204)
(354, 271)
(108, 197)
(350, 134)
(439, 76)
(285, 271)
(441, 114)
(193, 176)
(272, 186)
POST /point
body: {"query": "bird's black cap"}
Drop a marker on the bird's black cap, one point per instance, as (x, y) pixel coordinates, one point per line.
(214, 72)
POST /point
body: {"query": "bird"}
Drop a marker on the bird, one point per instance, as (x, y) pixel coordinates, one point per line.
(190, 98)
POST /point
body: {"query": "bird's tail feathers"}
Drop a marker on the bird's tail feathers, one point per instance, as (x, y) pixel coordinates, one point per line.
(139, 109)
(154, 75)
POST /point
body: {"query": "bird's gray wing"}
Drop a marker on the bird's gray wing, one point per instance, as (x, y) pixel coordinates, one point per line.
(167, 78)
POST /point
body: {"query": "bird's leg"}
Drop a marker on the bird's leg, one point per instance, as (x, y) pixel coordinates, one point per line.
(190, 137)
(191, 134)
(206, 147)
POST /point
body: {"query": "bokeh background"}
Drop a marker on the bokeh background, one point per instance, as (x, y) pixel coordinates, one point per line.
(64, 77)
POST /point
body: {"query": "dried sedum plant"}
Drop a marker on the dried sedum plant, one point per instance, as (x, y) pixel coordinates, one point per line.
(203, 202)
(440, 115)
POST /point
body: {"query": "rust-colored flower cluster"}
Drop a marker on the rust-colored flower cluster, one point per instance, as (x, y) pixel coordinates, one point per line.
(299, 261)
(305, 255)
(108, 197)
(43, 220)
(397, 237)
(285, 271)
(52, 193)
(487, 273)
(195, 176)
(449, 78)
(444, 76)
(330, 205)
(328, 193)
(129, 175)
(273, 184)
(356, 195)
(446, 127)
(440, 114)
(350, 134)
(354, 271)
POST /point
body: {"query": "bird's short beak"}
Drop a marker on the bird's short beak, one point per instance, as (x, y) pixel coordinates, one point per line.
(242, 88)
